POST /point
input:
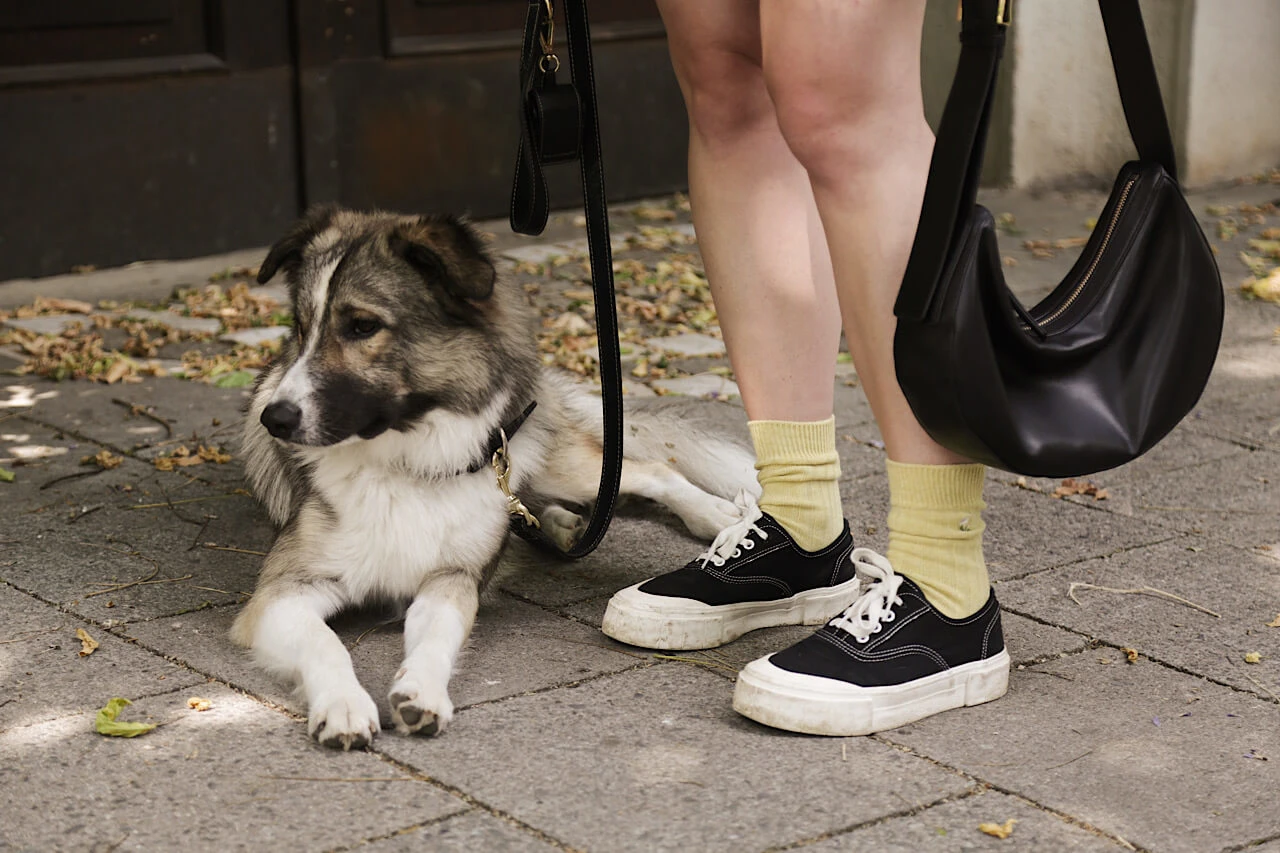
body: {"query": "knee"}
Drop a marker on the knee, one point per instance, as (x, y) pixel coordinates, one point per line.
(725, 95)
(838, 128)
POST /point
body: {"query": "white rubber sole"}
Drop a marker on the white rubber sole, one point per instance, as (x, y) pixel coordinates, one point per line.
(682, 624)
(814, 705)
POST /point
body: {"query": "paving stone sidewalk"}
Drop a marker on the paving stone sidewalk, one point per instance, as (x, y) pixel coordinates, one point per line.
(1133, 721)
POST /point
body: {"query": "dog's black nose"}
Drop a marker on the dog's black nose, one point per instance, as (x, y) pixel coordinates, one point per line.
(281, 419)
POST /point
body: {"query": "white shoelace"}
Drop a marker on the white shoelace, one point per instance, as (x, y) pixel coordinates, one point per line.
(875, 606)
(734, 539)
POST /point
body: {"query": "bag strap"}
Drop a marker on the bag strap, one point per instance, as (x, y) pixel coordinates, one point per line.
(956, 166)
(559, 123)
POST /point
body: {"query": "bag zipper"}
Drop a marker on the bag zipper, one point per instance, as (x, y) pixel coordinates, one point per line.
(1102, 248)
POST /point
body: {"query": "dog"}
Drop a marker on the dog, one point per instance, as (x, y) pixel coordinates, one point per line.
(368, 441)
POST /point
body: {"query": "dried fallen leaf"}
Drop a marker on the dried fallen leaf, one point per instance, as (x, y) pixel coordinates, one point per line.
(1130, 655)
(213, 454)
(654, 214)
(75, 306)
(118, 370)
(1253, 657)
(1080, 487)
(1274, 623)
(107, 724)
(88, 645)
(104, 459)
(7, 476)
(999, 830)
(1267, 287)
(196, 703)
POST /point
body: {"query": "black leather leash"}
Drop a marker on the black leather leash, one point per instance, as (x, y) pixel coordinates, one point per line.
(558, 123)
(956, 167)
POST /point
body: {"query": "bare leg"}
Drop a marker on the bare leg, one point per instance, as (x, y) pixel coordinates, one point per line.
(754, 211)
(437, 624)
(845, 78)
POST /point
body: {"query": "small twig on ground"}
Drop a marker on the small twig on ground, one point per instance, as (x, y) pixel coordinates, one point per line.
(75, 476)
(1214, 509)
(236, 493)
(212, 547)
(1065, 763)
(1054, 674)
(1142, 590)
(348, 778)
(138, 409)
(195, 542)
(707, 663)
(369, 631)
(27, 635)
(149, 579)
(86, 511)
(1263, 687)
(587, 643)
(169, 503)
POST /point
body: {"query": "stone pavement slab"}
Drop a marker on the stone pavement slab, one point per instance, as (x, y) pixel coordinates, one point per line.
(1243, 587)
(657, 760)
(954, 825)
(1139, 751)
(72, 541)
(86, 409)
(44, 677)
(515, 648)
(465, 833)
(227, 778)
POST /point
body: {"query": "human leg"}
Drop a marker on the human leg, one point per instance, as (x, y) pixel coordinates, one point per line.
(925, 635)
(769, 270)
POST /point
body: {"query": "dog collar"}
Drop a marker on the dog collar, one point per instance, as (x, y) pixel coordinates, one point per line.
(499, 437)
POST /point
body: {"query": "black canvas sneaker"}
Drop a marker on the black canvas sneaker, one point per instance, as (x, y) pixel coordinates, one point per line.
(754, 575)
(888, 660)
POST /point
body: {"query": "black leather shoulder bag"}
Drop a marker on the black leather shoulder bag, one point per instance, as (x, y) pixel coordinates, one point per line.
(1117, 354)
(558, 124)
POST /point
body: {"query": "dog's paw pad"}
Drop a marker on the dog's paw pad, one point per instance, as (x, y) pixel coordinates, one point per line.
(414, 716)
(344, 722)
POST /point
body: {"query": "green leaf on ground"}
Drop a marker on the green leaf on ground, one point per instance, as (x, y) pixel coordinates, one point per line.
(107, 724)
(6, 476)
(234, 379)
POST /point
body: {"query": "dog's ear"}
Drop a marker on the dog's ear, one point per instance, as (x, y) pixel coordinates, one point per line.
(447, 251)
(287, 252)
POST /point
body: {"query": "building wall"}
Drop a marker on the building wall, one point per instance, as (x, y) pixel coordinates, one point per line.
(1058, 119)
(1232, 123)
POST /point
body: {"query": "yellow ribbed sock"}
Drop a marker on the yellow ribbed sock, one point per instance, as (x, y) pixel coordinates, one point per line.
(935, 533)
(799, 475)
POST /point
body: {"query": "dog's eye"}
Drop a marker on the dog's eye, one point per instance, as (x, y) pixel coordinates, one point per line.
(363, 327)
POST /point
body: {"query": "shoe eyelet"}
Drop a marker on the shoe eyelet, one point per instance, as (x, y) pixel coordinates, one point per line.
(888, 617)
(876, 629)
(749, 544)
(737, 552)
(717, 562)
(861, 639)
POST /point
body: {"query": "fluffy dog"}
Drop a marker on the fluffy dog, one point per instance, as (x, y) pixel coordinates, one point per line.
(369, 439)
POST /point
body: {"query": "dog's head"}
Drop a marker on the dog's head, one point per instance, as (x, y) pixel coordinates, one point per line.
(394, 316)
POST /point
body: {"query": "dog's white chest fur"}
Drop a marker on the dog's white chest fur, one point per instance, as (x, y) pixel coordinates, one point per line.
(393, 529)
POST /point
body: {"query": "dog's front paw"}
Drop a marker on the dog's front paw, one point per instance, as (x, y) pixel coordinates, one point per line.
(347, 720)
(419, 710)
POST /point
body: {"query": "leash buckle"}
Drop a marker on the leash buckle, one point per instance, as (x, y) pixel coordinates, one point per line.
(502, 470)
